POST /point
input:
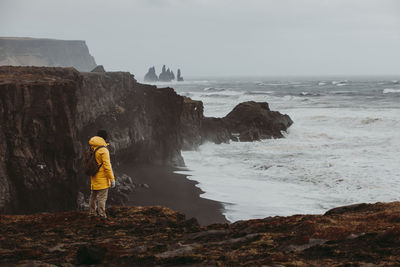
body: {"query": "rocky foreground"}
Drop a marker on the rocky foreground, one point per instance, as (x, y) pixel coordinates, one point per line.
(358, 235)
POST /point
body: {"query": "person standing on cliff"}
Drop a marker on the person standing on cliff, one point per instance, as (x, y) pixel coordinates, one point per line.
(104, 178)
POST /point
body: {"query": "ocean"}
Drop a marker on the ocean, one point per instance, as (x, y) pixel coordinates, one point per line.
(343, 148)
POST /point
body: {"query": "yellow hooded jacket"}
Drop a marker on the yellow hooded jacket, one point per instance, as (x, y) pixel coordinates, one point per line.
(105, 175)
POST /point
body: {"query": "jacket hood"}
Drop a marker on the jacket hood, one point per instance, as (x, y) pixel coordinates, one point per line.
(97, 141)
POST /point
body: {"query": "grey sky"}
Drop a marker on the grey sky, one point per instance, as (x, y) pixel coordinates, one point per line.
(221, 37)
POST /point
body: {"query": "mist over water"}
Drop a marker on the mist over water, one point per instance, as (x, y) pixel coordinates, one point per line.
(343, 147)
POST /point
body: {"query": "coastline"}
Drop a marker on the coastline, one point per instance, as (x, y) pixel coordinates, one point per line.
(172, 190)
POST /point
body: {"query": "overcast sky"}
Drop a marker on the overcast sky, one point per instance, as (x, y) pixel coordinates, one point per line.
(221, 37)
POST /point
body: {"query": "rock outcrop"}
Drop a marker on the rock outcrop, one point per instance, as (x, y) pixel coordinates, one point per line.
(151, 75)
(248, 121)
(45, 52)
(179, 78)
(254, 121)
(166, 75)
(47, 116)
(156, 236)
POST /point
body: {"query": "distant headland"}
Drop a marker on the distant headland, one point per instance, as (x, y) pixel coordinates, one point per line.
(22, 51)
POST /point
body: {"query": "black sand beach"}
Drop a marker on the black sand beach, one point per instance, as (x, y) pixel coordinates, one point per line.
(174, 191)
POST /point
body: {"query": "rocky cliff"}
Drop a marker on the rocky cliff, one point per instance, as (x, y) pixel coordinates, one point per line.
(45, 52)
(48, 114)
(358, 235)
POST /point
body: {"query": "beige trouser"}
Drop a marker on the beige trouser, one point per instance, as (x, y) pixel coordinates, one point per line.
(99, 198)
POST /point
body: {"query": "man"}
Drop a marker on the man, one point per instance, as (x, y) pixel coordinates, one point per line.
(103, 179)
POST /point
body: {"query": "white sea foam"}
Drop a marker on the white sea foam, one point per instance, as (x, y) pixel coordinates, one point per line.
(391, 91)
(212, 89)
(259, 92)
(308, 94)
(341, 84)
(340, 150)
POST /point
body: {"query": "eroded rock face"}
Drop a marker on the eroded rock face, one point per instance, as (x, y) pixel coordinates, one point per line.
(192, 118)
(37, 114)
(47, 116)
(45, 52)
(157, 236)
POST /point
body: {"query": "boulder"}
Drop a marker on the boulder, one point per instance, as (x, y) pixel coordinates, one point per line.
(254, 121)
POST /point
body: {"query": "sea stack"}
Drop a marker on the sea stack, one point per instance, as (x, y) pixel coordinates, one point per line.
(151, 75)
(179, 78)
(166, 75)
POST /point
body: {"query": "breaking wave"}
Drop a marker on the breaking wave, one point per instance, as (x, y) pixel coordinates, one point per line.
(212, 89)
(391, 91)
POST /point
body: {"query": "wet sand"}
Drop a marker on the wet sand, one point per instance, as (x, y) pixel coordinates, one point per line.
(174, 191)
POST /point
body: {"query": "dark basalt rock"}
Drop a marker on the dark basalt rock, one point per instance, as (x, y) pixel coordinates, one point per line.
(191, 119)
(151, 75)
(248, 121)
(215, 130)
(47, 116)
(255, 121)
(166, 75)
(179, 78)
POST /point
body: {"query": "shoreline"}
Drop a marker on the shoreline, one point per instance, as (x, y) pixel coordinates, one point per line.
(172, 190)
